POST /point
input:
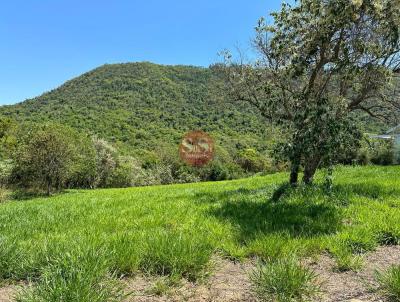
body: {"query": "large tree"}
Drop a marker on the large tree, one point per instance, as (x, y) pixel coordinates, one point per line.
(319, 62)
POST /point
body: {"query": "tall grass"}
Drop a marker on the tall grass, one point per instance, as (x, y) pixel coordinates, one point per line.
(69, 277)
(389, 283)
(174, 230)
(284, 280)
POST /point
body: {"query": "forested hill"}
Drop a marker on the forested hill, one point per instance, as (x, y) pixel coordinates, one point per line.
(141, 105)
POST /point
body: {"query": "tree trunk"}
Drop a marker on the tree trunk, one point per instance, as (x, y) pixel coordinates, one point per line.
(310, 169)
(48, 189)
(294, 172)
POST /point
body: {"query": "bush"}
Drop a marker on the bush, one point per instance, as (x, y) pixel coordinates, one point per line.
(52, 157)
(83, 165)
(8, 139)
(383, 154)
(183, 175)
(284, 280)
(106, 162)
(162, 174)
(128, 172)
(252, 161)
(376, 151)
(218, 171)
(43, 158)
(122, 174)
(6, 168)
(363, 157)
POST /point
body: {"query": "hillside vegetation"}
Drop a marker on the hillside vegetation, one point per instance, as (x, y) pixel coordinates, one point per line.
(141, 111)
(144, 105)
(174, 230)
(120, 125)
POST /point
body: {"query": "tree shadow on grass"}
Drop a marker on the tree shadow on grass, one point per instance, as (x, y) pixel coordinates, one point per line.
(297, 220)
(278, 210)
(279, 192)
(239, 193)
(368, 190)
(23, 195)
(305, 211)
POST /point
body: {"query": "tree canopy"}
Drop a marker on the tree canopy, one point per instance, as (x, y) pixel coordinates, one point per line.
(319, 62)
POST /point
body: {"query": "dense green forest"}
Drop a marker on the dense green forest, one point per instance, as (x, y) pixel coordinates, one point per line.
(142, 105)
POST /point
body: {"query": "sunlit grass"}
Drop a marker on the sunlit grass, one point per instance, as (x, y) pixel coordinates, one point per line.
(174, 230)
(75, 276)
(389, 283)
(284, 280)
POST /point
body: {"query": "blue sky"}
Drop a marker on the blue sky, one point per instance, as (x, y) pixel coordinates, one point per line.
(46, 42)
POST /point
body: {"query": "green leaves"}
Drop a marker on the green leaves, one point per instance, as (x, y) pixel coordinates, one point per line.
(319, 61)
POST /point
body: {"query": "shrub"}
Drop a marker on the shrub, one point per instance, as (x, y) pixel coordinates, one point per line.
(252, 161)
(185, 176)
(384, 155)
(128, 172)
(377, 151)
(363, 157)
(149, 159)
(51, 157)
(162, 174)
(217, 171)
(106, 161)
(8, 139)
(83, 165)
(284, 280)
(122, 174)
(43, 157)
(6, 168)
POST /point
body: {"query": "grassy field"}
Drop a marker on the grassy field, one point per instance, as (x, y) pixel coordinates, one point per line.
(80, 242)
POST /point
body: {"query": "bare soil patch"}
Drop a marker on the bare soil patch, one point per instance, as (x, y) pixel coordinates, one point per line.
(345, 286)
(229, 282)
(7, 293)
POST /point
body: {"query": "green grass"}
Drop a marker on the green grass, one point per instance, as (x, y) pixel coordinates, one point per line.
(163, 286)
(82, 277)
(346, 261)
(389, 283)
(174, 230)
(284, 280)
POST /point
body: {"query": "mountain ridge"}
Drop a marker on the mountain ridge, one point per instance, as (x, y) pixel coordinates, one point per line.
(140, 104)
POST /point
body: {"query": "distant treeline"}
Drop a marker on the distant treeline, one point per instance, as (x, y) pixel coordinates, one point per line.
(50, 157)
